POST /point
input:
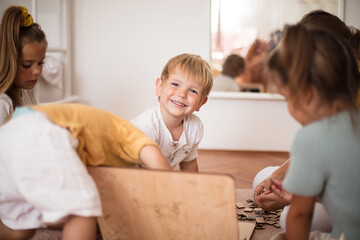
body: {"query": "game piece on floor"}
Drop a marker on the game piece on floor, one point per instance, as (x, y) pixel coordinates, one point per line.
(270, 222)
(239, 205)
(253, 205)
(277, 225)
(246, 229)
(260, 220)
(259, 227)
(248, 209)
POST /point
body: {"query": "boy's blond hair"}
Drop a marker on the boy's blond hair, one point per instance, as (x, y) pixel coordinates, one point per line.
(193, 66)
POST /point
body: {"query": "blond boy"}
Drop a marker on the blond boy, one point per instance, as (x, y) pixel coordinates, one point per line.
(183, 87)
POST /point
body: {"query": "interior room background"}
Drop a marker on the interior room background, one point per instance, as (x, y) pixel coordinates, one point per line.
(118, 49)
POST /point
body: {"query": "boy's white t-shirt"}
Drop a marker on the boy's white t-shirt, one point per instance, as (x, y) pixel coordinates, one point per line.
(153, 125)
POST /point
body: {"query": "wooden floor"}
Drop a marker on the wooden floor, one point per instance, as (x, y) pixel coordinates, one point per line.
(242, 165)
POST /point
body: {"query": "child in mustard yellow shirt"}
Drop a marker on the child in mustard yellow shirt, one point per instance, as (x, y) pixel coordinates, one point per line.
(44, 151)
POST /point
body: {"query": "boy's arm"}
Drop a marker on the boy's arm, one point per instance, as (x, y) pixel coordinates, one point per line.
(151, 156)
(298, 221)
(189, 166)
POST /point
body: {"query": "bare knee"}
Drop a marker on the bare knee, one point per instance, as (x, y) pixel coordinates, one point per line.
(10, 234)
(24, 234)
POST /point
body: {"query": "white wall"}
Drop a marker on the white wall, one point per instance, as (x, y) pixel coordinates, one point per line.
(242, 121)
(120, 48)
(351, 13)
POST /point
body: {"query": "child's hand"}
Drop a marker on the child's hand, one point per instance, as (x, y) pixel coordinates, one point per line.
(276, 187)
(261, 187)
(270, 201)
(266, 199)
(189, 166)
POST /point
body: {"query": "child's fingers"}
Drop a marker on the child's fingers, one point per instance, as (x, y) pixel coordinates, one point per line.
(271, 202)
(268, 197)
(259, 203)
(258, 189)
(266, 192)
(277, 182)
(267, 183)
(278, 191)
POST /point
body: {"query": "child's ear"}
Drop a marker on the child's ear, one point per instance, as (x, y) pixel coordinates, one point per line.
(309, 95)
(158, 85)
(203, 102)
(313, 99)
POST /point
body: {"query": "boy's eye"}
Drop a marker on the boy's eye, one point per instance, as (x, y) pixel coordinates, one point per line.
(193, 91)
(174, 84)
(41, 63)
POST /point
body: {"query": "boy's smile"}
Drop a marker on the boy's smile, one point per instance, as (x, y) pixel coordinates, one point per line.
(178, 103)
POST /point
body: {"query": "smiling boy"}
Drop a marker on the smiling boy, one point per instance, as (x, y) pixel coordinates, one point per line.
(185, 83)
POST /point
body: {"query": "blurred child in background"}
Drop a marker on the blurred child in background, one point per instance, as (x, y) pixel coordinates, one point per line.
(233, 67)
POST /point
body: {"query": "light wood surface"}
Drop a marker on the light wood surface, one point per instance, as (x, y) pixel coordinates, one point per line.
(148, 204)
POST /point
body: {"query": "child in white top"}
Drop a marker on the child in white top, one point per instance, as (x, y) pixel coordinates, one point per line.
(317, 73)
(23, 47)
(44, 151)
(185, 83)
